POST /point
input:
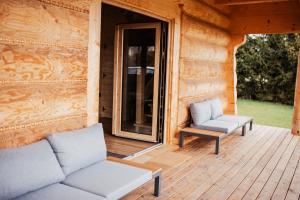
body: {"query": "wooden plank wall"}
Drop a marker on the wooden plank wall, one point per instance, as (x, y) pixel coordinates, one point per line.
(203, 57)
(43, 63)
(43, 69)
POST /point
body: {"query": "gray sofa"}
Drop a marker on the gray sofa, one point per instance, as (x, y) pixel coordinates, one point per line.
(67, 166)
(208, 115)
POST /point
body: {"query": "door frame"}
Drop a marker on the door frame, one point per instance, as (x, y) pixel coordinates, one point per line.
(118, 77)
(172, 79)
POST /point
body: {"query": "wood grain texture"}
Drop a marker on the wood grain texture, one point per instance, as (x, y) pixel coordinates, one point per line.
(33, 20)
(280, 17)
(93, 63)
(203, 57)
(296, 114)
(22, 103)
(26, 63)
(194, 172)
(16, 136)
(43, 70)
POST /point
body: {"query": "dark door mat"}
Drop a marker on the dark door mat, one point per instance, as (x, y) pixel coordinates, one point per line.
(116, 155)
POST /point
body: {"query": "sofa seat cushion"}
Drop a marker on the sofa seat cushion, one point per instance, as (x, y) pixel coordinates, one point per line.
(217, 125)
(59, 192)
(241, 120)
(200, 112)
(109, 179)
(27, 169)
(79, 148)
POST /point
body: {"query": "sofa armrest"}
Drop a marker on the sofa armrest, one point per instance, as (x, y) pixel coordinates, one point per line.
(155, 170)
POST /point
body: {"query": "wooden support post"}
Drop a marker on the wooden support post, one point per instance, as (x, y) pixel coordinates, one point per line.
(93, 63)
(236, 42)
(296, 115)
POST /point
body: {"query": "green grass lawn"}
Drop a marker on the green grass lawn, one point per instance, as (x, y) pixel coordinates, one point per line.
(266, 113)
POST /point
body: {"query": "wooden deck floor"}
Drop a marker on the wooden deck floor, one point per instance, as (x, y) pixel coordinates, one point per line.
(126, 147)
(262, 165)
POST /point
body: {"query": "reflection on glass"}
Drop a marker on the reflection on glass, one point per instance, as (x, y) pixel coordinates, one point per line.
(138, 80)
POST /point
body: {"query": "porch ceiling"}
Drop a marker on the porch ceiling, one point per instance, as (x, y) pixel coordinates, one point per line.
(244, 2)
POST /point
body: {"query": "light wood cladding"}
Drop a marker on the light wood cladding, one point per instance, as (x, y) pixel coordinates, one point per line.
(296, 114)
(265, 18)
(32, 20)
(43, 70)
(203, 57)
(30, 63)
(93, 63)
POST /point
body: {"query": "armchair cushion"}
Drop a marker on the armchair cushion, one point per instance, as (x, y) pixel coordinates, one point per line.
(201, 112)
(216, 108)
(109, 179)
(216, 125)
(79, 148)
(28, 168)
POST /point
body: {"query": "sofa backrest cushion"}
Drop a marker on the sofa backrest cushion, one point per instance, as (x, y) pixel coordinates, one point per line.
(79, 148)
(216, 108)
(27, 169)
(201, 112)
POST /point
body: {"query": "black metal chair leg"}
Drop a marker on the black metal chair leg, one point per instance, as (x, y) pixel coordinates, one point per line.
(157, 185)
(250, 128)
(244, 130)
(218, 141)
(181, 139)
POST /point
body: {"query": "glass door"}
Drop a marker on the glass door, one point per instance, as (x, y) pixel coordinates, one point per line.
(136, 76)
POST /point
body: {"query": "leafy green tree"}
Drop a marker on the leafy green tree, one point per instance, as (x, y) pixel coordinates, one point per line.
(267, 67)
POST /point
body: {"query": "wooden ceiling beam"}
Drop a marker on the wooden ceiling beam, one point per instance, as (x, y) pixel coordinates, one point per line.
(265, 18)
(244, 2)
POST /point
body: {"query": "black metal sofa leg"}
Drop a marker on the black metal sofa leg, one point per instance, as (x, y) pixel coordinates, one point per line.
(181, 139)
(244, 130)
(157, 185)
(218, 141)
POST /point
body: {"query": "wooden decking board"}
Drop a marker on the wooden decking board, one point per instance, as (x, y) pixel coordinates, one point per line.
(250, 179)
(232, 168)
(197, 149)
(286, 179)
(226, 185)
(264, 175)
(239, 185)
(271, 184)
(294, 189)
(195, 172)
(185, 173)
(210, 169)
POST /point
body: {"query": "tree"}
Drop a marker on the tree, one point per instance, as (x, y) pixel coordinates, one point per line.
(267, 67)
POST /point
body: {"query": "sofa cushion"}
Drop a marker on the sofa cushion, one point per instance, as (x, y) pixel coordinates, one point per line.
(241, 120)
(79, 148)
(59, 192)
(109, 179)
(216, 125)
(216, 108)
(201, 112)
(28, 168)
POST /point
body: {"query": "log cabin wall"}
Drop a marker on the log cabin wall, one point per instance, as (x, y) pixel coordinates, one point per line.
(204, 59)
(43, 69)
